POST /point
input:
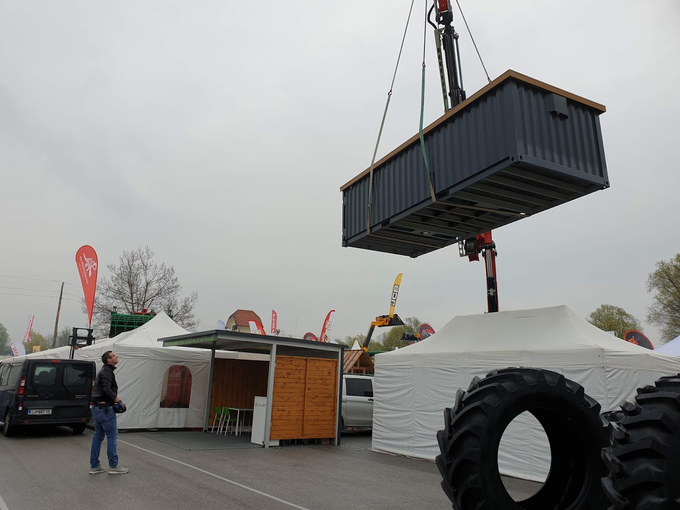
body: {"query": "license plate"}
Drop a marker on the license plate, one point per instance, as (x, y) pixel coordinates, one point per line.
(37, 412)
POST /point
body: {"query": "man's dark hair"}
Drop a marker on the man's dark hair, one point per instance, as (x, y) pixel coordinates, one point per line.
(106, 356)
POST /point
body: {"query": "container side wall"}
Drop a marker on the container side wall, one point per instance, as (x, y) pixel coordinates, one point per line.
(514, 151)
(572, 142)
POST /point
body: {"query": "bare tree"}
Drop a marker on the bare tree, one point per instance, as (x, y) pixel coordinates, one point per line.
(63, 337)
(138, 283)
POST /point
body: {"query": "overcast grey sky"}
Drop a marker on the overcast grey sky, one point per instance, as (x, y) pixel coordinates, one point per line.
(219, 133)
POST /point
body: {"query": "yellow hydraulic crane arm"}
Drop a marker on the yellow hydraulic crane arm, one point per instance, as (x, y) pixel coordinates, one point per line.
(386, 320)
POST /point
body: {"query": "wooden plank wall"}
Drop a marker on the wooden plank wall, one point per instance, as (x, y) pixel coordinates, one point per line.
(288, 402)
(321, 398)
(236, 383)
(304, 404)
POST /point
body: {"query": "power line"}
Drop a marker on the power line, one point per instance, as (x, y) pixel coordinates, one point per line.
(37, 279)
(37, 290)
(35, 296)
(26, 288)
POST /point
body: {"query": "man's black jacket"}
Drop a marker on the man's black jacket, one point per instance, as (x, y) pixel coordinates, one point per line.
(105, 387)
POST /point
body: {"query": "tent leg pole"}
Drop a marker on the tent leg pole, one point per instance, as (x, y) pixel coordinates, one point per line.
(206, 418)
(270, 395)
(341, 370)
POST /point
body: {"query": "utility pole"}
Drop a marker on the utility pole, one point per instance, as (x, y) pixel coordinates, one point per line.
(56, 322)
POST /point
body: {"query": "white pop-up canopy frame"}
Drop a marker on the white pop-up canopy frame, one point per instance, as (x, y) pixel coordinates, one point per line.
(415, 384)
(142, 372)
(670, 347)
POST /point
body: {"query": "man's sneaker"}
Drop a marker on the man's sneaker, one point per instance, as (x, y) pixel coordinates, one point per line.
(97, 470)
(118, 470)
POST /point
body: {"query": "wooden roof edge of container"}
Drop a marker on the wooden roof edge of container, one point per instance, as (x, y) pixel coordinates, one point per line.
(505, 76)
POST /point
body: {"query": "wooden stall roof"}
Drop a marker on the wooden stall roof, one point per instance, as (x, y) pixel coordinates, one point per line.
(358, 362)
(223, 340)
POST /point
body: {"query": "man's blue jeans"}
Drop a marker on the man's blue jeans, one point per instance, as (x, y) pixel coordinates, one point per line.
(105, 424)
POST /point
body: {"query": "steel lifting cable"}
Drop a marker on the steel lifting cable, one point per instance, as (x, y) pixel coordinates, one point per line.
(382, 124)
(423, 148)
(473, 41)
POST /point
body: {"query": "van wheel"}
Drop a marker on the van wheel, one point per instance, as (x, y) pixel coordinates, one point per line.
(79, 428)
(473, 429)
(7, 431)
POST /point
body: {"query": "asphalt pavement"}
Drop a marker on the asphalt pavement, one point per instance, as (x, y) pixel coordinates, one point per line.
(48, 469)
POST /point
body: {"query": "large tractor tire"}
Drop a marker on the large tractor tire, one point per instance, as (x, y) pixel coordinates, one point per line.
(644, 457)
(474, 427)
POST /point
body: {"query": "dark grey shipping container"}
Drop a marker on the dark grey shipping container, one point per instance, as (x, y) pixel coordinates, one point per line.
(513, 149)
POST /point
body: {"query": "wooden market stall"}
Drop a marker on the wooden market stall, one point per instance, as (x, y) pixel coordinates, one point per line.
(302, 386)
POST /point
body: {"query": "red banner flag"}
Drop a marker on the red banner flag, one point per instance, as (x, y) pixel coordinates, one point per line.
(29, 327)
(256, 328)
(274, 322)
(326, 329)
(86, 260)
(425, 331)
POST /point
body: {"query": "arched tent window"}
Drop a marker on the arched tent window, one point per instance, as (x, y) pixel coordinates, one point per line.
(176, 387)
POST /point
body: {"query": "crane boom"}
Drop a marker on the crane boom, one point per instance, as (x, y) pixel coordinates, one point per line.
(449, 38)
(391, 319)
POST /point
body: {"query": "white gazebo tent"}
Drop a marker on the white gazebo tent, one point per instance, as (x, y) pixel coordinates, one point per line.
(142, 374)
(671, 347)
(415, 384)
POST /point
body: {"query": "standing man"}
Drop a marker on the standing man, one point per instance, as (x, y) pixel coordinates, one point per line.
(104, 398)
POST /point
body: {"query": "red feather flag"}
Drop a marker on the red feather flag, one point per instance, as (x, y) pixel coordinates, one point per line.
(86, 260)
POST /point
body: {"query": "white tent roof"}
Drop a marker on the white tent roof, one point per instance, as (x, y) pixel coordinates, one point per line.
(672, 347)
(143, 370)
(415, 384)
(145, 336)
(542, 329)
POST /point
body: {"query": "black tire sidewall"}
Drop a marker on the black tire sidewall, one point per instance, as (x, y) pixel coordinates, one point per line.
(570, 420)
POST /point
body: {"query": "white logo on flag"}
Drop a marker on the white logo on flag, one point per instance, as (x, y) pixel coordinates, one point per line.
(90, 265)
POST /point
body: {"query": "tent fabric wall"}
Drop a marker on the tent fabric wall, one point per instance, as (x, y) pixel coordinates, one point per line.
(670, 347)
(415, 384)
(141, 370)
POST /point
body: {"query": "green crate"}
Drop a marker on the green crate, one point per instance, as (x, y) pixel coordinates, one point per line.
(122, 322)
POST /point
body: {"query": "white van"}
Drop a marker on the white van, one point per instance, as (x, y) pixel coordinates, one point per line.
(357, 401)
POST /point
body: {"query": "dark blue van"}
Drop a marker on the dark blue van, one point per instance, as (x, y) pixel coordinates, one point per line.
(45, 392)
